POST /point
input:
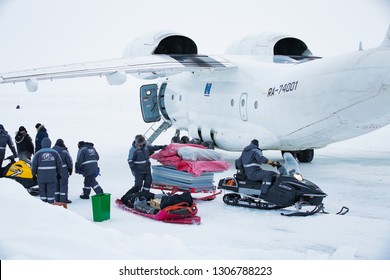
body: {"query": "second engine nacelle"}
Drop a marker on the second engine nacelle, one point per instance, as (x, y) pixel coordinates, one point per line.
(162, 42)
(269, 44)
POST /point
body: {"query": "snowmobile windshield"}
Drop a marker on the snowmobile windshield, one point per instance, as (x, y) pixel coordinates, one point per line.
(290, 166)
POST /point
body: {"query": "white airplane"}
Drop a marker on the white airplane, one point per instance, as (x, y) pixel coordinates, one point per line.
(266, 86)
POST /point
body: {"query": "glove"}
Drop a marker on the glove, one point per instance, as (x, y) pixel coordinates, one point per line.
(273, 163)
(70, 171)
(277, 164)
(34, 177)
(163, 147)
(59, 176)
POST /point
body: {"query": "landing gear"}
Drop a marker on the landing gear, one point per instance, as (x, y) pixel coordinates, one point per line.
(305, 155)
(302, 156)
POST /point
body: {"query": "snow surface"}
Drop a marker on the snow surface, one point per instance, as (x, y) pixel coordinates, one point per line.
(39, 33)
(353, 173)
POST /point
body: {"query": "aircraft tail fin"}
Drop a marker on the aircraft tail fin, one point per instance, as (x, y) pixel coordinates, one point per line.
(386, 41)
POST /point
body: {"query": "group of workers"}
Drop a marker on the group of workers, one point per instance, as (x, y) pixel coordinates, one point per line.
(51, 167)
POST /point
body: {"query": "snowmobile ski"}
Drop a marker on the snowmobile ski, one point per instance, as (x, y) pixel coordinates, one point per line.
(162, 216)
(317, 209)
(344, 210)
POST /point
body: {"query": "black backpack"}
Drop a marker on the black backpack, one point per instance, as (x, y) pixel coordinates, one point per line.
(176, 198)
(130, 196)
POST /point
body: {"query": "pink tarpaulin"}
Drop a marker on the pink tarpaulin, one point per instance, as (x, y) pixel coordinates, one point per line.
(169, 157)
(198, 167)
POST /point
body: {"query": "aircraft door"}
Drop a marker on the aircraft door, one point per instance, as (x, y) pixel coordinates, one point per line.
(243, 106)
(149, 106)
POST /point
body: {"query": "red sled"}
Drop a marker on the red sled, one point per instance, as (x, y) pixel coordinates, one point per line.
(206, 194)
(164, 215)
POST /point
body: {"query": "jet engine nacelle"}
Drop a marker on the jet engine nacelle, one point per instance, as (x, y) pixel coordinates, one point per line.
(269, 44)
(162, 42)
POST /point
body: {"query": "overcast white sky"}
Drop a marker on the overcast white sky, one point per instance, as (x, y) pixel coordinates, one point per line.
(46, 32)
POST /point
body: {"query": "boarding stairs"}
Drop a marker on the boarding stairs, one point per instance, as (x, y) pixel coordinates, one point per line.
(155, 132)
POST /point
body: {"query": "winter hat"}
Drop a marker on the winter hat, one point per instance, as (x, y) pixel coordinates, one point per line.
(37, 125)
(1, 127)
(185, 140)
(255, 142)
(80, 144)
(60, 143)
(140, 140)
(22, 128)
(175, 139)
(46, 143)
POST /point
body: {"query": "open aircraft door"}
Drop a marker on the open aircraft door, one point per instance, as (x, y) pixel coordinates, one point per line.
(149, 106)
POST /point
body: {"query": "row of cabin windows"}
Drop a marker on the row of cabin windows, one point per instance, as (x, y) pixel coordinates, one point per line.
(256, 104)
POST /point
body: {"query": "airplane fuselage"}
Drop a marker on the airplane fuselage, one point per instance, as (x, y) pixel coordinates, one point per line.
(287, 106)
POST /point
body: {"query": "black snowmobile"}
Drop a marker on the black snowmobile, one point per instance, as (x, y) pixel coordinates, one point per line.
(289, 188)
(21, 172)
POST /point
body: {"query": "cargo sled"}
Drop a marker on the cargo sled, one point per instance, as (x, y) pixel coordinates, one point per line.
(164, 215)
(169, 179)
(179, 209)
(21, 172)
(188, 167)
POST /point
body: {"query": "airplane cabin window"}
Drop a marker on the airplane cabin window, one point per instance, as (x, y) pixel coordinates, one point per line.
(173, 97)
(256, 104)
(232, 102)
(180, 98)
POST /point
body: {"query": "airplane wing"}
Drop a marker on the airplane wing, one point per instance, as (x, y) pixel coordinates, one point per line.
(115, 70)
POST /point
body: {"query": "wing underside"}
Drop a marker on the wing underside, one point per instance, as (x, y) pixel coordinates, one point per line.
(151, 66)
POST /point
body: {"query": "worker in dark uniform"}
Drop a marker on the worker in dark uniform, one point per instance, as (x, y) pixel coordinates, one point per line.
(87, 165)
(5, 139)
(251, 160)
(46, 169)
(139, 162)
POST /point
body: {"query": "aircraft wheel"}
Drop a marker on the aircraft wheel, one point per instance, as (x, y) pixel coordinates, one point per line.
(305, 155)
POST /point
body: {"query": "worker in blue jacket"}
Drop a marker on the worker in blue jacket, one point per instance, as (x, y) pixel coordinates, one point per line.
(5, 139)
(46, 169)
(139, 162)
(251, 160)
(61, 194)
(87, 165)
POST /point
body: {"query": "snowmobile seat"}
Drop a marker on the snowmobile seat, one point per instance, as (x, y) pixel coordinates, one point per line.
(241, 176)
